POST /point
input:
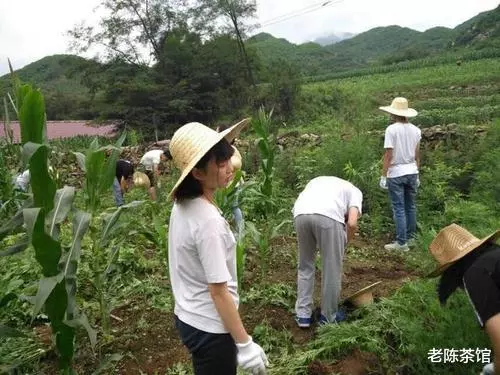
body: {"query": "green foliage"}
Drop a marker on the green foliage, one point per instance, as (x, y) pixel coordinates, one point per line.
(392, 329)
(99, 171)
(485, 187)
(57, 288)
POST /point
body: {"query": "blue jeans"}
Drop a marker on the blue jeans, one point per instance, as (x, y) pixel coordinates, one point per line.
(403, 191)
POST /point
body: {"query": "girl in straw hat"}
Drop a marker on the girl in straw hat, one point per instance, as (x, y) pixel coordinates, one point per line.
(473, 264)
(400, 170)
(202, 256)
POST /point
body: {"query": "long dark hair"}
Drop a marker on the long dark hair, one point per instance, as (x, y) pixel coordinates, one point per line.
(191, 188)
(452, 277)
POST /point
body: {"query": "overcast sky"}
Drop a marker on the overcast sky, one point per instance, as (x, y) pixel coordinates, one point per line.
(32, 29)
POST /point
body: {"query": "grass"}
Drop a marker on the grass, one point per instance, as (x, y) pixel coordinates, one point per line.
(400, 331)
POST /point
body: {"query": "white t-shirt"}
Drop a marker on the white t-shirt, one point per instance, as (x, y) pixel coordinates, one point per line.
(22, 181)
(201, 250)
(328, 196)
(151, 158)
(403, 139)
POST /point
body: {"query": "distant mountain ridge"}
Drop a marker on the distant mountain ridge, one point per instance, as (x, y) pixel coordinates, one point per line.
(326, 40)
(381, 45)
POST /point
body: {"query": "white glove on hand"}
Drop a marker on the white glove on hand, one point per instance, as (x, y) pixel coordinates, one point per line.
(489, 369)
(418, 181)
(383, 182)
(251, 357)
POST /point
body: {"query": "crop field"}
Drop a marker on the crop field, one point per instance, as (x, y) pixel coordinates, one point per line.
(122, 303)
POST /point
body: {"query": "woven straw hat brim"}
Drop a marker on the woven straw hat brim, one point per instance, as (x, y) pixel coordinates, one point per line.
(229, 134)
(440, 269)
(410, 112)
(364, 290)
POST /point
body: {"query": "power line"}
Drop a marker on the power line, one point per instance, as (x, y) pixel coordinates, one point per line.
(294, 12)
(309, 9)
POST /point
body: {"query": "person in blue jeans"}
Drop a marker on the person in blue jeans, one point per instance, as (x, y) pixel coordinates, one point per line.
(122, 181)
(400, 171)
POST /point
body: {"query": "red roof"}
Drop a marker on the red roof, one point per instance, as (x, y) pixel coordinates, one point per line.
(65, 129)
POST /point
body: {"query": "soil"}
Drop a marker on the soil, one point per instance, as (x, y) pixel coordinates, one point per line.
(149, 342)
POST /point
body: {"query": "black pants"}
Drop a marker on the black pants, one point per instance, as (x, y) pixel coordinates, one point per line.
(211, 353)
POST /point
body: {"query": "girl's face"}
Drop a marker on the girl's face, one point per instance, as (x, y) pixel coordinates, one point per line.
(216, 175)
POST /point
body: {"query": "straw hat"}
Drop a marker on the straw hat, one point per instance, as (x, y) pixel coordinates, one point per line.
(141, 180)
(399, 107)
(192, 141)
(236, 159)
(453, 243)
(363, 296)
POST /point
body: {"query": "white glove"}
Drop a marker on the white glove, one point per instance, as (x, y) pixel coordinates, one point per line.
(383, 182)
(489, 369)
(251, 357)
(418, 181)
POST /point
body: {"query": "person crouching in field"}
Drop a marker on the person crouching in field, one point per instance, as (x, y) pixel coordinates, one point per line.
(326, 216)
(400, 171)
(202, 256)
(150, 161)
(123, 180)
(473, 264)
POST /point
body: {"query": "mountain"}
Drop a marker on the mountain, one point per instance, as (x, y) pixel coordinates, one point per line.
(60, 78)
(326, 40)
(480, 31)
(382, 45)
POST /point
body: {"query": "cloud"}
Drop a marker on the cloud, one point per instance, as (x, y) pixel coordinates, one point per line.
(31, 29)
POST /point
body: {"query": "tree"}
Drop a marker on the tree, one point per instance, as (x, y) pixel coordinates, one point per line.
(234, 11)
(130, 30)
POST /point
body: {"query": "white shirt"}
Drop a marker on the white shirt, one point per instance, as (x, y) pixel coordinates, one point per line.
(328, 196)
(22, 181)
(151, 158)
(201, 250)
(403, 139)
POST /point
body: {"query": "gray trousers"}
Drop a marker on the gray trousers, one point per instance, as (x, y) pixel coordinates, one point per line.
(318, 231)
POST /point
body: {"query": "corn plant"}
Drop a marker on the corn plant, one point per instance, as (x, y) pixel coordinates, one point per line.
(225, 200)
(41, 216)
(266, 144)
(99, 176)
(262, 238)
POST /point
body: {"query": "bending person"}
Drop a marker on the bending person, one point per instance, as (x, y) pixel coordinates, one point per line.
(123, 180)
(326, 216)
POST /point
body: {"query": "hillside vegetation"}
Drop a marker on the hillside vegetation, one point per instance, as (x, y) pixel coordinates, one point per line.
(76, 88)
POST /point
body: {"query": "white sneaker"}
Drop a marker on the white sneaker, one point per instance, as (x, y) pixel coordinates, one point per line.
(396, 246)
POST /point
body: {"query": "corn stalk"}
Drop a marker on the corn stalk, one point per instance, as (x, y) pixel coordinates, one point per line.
(99, 175)
(41, 217)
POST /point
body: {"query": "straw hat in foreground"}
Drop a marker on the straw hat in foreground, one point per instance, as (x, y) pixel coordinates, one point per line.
(141, 180)
(192, 141)
(453, 243)
(363, 296)
(399, 107)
